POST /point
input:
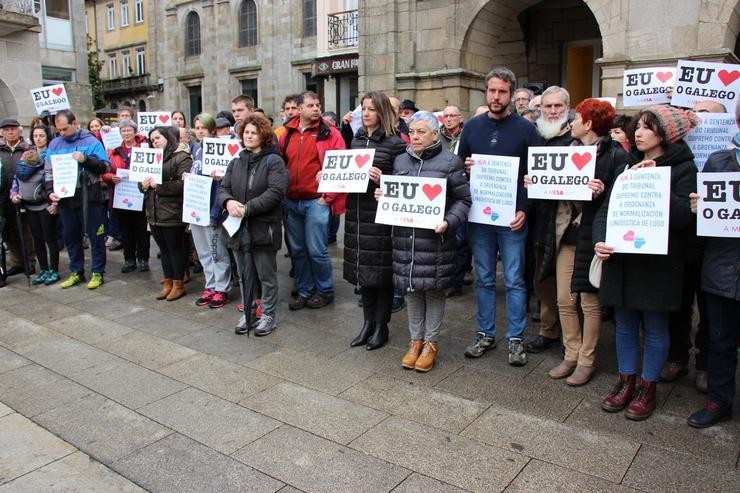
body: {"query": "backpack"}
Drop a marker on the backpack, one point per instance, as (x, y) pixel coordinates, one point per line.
(32, 191)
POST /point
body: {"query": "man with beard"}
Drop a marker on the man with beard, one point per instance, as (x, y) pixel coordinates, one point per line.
(554, 128)
(522, 97)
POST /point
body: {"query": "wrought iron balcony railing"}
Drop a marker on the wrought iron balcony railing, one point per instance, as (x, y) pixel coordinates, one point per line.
(343, 29)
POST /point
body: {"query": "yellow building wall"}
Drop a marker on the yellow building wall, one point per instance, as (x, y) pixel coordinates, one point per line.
(121, 38)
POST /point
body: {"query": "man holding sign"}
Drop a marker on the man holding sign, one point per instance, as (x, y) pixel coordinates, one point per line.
(85, 210)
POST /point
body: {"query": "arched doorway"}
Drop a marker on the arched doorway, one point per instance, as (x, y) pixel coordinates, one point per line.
(8, 106)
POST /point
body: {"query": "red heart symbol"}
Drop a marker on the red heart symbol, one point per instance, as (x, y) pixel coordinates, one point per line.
(581, 160)
(193, 214)
(164, 118)
(57, 91)
(233, 148)
(125, 201)
(159, 158)
(441, 118)
(664, 76)
(487, 210)
(64, 190)
(629, 236)
(361, 160)
(728, 78)
(431, 191)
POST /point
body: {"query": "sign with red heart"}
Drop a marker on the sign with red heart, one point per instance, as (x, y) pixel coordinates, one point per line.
(217, 154)
(147, 120)
(196, 198)
(126, 194)
(145, 163)
(561, 172)
(346, 171)
(50, 98)
(646, 86)
(412, 201)
(699, 81)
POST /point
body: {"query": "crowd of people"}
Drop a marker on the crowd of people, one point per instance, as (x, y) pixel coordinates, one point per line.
(271, 191)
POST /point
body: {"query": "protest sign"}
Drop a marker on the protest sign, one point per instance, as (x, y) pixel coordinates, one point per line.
(718, 208)
(493, 187)
(112, 138)
(561, 172)
(346, 170)
(64, 171)
(356, 121)
(126, 194)
(413, 201)
(699, 81)
(231, 224)
(217, 154)
(196, 199)
(646, 86)
(637, 221)
(145, 162)
(714, 133)
(50, 98)
(147, 120)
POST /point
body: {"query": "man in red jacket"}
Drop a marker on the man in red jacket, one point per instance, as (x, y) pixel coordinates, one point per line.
(304, 144)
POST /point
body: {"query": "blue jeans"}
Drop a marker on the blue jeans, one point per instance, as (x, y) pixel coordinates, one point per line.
(306, 226)
(656, 338)
(724, 330)
(485, 242)
(72, 229)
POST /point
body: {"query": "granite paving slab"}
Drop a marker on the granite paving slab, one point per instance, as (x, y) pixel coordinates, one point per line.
(33, 390)
(16, 331)
(227, 345)
(146, 350)
(418, 483)
(110, 307)
(10, 360)
(63, 354)
(42, 311)
(89, 328)
(539, 476)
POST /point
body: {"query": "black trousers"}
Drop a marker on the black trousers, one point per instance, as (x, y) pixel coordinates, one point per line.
(132, 226)
(377, 303)
(43, 228)
(681, 322)
(171, 245)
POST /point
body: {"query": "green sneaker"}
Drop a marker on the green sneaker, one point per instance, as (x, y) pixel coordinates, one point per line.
(52, 277)
(41, 278)
(73, 280)
(95, 281)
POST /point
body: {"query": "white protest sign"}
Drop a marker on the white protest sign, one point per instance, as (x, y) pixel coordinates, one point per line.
(637, 221)
(50, 98)
(346, 171)
(493, 187)
(611, 101)
(699, 81)
(646, 86)
(217, 154)
(144, 163)
(196, 200)
(714, 133)
(147, 120)
(356, 121)
(718, 208)
(561, 172)
(112, 138)
(126, 194)
(64, 172)
(412, 201)
(231, 224)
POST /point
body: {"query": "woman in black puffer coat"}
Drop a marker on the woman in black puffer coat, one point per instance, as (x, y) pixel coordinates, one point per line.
(367, 244)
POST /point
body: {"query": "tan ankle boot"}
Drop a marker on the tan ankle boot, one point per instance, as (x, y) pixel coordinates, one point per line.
(412, 354)
(581, 376)
(562, 370)
(166, 288)
(178, 290)
(425, 362)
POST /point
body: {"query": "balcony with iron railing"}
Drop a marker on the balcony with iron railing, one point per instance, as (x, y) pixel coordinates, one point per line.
(342, 30)
(134, 83)
(17, 15)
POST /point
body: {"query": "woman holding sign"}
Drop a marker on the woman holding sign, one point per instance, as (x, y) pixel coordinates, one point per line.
(368, 256)
(163, 206)
(644, 288)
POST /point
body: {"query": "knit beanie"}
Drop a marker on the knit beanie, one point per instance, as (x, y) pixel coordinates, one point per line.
(675, 122)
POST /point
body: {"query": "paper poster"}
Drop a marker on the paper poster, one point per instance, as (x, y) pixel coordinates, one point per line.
(639, 206)
(646, 86)
(217, 154)
(561, 172)
(356, 121)
(231, 224)
(346, 170)
(714, 133)
(64, 171)
(145, 162)
(413, 201)
(700, 81)
(126, 194)
(718, 208)
(50, 98)
(147, 120)
(112, 138)
(493, 188)
(196, 199)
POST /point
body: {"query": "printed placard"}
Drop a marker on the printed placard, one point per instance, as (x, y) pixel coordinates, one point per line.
(196, 199)
(144, 163)
(714, 133)
(493, 187)
(646, 86)
(356, 122)
(412, 201)
(64, 171)
(112, 138)
(147, 120)
(50, 98)
(718, 208)
(561, 172)
(699, 81)
(346, 170)
(217, 154)
(637, 221)
(231, 224)
(126, 194)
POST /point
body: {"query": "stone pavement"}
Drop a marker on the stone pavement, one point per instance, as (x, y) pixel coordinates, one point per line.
(163, 396)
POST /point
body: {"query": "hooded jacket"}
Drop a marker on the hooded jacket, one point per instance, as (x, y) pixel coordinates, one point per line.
(163, 204)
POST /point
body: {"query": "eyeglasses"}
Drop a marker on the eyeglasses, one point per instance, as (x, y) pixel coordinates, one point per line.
(452, 116)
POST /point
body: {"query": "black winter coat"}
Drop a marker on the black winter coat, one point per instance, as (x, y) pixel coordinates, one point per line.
(163, 204)
(258, 180)
(422, 259)
(652, 282)
(368, 257)
(9, 159)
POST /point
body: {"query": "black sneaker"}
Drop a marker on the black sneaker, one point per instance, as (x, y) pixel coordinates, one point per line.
(482, 344)
(298, 303)
(398, 304)
(143, 265)
(540, 343)
(319, 300)
(128, 266)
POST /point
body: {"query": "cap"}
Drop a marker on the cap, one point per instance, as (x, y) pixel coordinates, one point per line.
(407, 104)
(9, 122)
(222, 122)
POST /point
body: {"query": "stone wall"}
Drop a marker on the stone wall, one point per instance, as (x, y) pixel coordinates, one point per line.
(21, 68)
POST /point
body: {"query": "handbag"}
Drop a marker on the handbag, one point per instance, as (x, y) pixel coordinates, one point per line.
(594, 272)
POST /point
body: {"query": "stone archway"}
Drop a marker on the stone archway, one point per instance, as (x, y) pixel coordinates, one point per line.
(8, 106)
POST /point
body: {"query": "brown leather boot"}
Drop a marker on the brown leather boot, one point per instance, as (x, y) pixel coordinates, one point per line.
(620, 395)
(425, 361)
(178, 290)
(581, 376)
(643, 404)
(412, 353)
(562, 370)
(166, 288)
